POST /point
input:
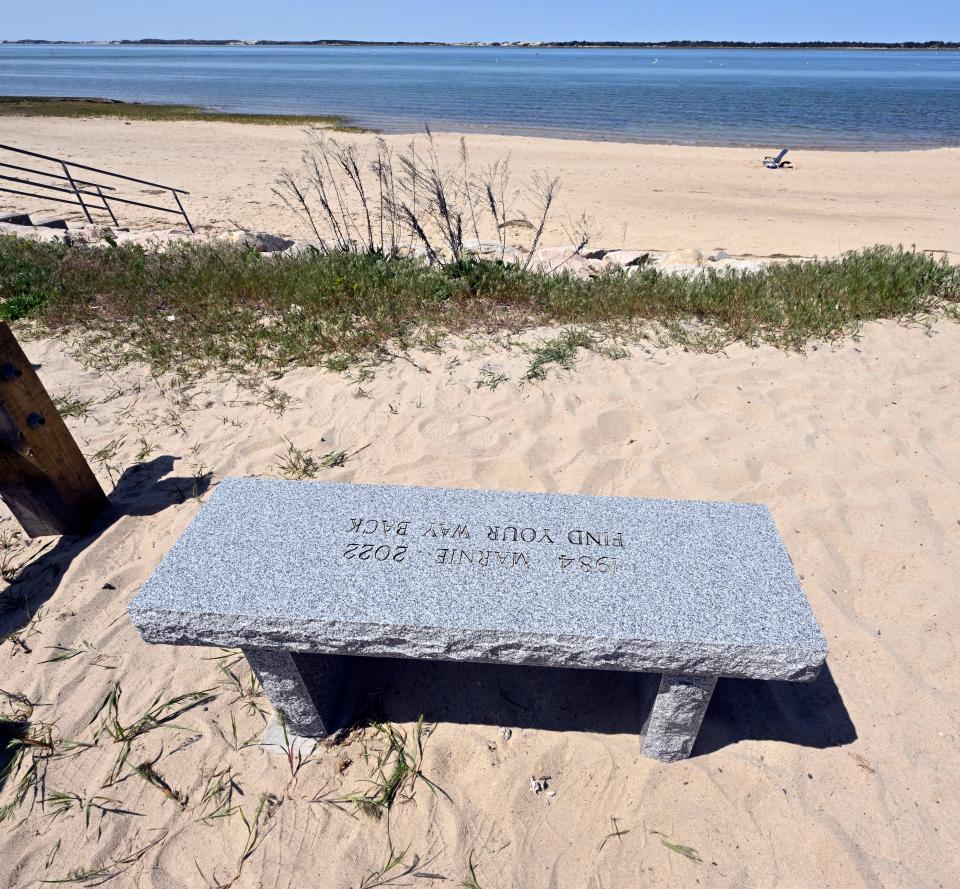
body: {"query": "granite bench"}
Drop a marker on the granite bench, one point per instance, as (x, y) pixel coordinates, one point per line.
(306, 576)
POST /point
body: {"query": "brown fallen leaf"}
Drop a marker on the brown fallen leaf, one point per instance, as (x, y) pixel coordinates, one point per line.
(863, 762)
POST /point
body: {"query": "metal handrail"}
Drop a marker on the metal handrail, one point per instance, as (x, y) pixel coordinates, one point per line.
(22, 181)
(90, 194)
(53, 175)
(78, 192)
(60, 160)
(46, 197)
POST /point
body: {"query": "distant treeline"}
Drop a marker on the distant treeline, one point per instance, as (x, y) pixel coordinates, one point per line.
(755, 44)
(556, 44)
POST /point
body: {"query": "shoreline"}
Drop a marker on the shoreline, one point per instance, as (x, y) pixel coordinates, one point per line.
(465, 128)
(72, 107)
(121, 109)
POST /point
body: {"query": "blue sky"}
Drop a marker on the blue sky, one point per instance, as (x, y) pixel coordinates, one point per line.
(487, 20)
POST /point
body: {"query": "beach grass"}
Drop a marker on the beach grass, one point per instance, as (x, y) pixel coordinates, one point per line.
(62, 106)
(397, 764)
(196, 307)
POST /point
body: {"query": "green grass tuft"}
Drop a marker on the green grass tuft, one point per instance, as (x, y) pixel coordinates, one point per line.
(70, 404)
(231, 307)
(397, 766)
(560, 351)
(297, 463)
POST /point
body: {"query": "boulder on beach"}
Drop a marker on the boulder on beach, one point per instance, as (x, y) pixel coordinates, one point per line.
(689, 256)
(299, 247)
(626, 258)
(565, 259)
(88, 234)
(155, 239)
(31, 233)
(494, 250)
(265, 242)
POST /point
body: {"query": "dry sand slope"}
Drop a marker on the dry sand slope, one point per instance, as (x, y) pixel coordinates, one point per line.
(660, 197)
(851, 781)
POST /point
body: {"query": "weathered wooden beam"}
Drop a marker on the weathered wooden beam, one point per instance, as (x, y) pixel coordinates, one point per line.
(44, 478)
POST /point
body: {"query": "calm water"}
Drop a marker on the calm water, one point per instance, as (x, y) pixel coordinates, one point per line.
(736, 97)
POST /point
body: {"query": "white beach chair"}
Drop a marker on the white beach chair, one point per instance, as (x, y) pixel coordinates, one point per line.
(778, 162)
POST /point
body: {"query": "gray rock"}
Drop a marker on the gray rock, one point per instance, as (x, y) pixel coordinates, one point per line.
(88, 234)
(683, 271)
(297, 248)
(262, 241)
(627, 258)
(30, 233)
(494, 250)
(689, 256)
(44, 220)
(158, 240)
(416, 252)
(558, 260)
(749, 265)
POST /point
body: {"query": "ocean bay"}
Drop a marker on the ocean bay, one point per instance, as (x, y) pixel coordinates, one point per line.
(840, 99)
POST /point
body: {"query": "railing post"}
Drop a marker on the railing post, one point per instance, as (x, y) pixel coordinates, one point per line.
(76, 191)
(176, 197)
(44, 478)
(106, 206)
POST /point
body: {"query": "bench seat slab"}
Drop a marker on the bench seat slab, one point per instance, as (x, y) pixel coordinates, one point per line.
(549, 579)
(674, 721)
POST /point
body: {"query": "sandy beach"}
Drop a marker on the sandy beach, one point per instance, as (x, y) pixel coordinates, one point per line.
(851, 781)
(659, 197)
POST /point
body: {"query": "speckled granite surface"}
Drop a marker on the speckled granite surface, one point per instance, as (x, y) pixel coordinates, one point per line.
(565, 580)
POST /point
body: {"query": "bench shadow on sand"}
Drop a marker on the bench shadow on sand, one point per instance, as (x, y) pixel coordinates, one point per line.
(808, 714)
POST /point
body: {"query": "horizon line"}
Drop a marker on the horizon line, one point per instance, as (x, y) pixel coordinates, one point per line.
(521, 42)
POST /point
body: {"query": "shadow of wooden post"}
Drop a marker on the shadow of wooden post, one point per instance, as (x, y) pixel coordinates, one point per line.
(44, 478)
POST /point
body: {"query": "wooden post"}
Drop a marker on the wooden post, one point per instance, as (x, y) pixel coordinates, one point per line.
(44, 479)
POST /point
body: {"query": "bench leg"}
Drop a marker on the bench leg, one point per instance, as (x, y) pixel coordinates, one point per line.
(287, 678)
(674, 721)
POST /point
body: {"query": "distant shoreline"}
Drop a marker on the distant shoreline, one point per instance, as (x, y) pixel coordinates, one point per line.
(94, 106)
(515, 44)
